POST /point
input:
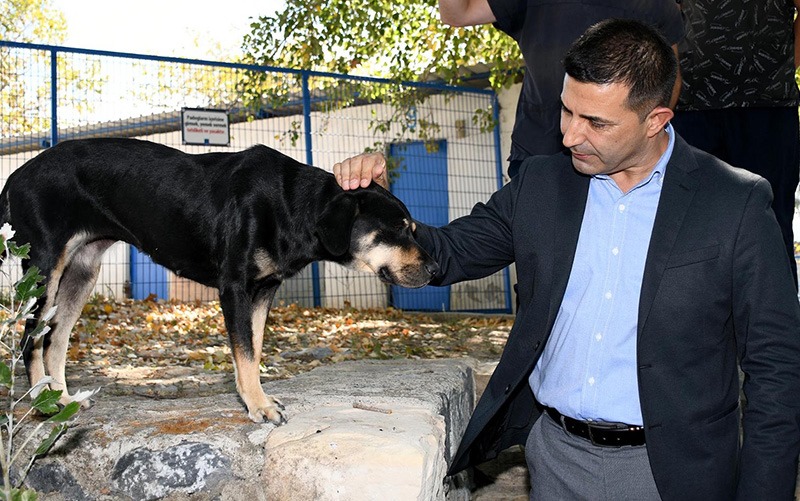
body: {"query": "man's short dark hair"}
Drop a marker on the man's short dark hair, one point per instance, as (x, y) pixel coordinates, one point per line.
(627, 52)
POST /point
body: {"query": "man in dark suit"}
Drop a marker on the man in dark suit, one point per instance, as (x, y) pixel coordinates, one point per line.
(647, 269)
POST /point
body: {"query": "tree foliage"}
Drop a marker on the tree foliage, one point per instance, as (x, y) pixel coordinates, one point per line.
(32, 21)
(401, 40)
(24, 88)
(396, 39)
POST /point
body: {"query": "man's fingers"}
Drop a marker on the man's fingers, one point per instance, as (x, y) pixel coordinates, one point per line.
(342, 172)
(361, 170)
(374, 171)
(357, 170)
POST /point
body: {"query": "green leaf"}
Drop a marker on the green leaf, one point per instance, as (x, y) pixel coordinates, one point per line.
(46, 402)
(5, 375)
(66, 413)
(20, 251)
(50, 440)
(26, 287)
(20, 495)
(24, 495)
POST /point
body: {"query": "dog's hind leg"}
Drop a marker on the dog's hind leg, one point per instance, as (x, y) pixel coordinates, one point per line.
(73, 289)
(245, 320)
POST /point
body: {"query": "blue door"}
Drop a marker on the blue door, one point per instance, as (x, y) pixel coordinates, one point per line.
(421, 183)
(147, 277)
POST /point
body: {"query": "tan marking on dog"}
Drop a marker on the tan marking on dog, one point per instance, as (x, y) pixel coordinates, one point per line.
(37, 365)
(380, 255)
(405, 265)
(248, 378)
(84, 260)
(361, 261)
(266, 266)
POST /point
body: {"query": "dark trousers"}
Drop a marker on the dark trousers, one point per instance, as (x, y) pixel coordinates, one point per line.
(765, 141)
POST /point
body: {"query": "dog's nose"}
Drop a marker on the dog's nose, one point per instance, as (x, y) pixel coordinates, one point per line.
(432, 268)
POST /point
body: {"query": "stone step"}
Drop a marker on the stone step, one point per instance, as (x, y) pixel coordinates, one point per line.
(357, 430)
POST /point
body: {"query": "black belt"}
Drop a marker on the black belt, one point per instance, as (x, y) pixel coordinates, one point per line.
(607, 436)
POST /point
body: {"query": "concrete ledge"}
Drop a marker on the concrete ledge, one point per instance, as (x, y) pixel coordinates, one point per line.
(357, 430)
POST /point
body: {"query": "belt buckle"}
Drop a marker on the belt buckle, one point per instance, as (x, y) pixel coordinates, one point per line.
(591, 436)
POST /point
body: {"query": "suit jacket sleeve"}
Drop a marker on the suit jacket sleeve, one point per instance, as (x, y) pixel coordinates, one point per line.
(766, 317)
(476, 245)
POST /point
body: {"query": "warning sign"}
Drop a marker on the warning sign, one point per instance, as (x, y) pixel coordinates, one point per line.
(204, 126)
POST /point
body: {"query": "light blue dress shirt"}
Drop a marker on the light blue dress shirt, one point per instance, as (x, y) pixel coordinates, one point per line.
(588, 368)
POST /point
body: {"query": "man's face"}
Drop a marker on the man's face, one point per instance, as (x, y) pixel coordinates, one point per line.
(602, 133)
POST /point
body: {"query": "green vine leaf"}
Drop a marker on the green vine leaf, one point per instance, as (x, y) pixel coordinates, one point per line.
(46, 402)
(21, 495)
(19, 251)
(66, 413)
(48, 442)
(5, 375)
(28, 286)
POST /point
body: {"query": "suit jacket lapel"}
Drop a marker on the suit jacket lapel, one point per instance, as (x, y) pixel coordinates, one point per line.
(571, 204)
(677, 192)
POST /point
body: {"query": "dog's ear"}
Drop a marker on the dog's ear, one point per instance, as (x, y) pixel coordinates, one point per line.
(336, 222)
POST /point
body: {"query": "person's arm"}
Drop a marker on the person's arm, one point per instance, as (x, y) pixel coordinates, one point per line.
(466, 12)
(766, 316)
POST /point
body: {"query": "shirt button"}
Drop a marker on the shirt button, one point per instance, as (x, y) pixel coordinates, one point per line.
(591, 381)
(599, 336)
(615, 250)
(608, 295)
(621, 207)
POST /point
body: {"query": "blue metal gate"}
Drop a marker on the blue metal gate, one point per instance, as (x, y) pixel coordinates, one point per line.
(422, 185)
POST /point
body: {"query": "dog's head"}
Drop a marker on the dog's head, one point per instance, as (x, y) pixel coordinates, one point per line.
(369, 229)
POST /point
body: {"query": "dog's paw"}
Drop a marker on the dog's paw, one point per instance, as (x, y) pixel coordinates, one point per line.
(271, 411)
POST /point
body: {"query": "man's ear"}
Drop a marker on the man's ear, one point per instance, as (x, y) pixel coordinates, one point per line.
(658, 119)
(336, 222)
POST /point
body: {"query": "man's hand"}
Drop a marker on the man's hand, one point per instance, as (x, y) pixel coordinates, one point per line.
(361, 170)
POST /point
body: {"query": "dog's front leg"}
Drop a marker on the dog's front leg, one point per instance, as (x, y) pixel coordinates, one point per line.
(245, 319)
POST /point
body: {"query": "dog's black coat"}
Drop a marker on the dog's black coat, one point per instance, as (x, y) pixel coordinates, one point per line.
(241, 222)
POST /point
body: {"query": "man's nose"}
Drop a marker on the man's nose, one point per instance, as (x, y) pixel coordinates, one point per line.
(571, 131)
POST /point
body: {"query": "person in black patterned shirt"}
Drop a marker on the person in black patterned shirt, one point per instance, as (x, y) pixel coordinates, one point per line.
(739, 99)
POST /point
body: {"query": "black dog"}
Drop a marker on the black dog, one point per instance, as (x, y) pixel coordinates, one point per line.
(241, 222)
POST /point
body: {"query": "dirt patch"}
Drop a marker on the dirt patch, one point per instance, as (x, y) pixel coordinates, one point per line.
(165, 350)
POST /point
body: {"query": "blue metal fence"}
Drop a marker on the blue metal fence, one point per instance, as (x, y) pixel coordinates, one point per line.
(50, 94)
